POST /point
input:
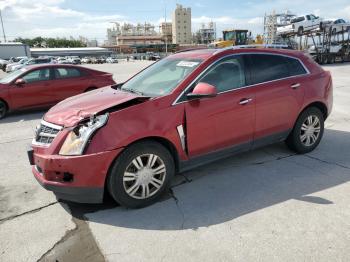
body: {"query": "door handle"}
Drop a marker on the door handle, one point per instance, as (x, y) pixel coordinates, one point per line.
(245, 101)
(295, 86)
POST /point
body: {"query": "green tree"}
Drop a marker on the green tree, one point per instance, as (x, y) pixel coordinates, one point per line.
(50, 42)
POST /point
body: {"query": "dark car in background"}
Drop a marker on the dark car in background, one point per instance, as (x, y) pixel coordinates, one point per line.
(46, 85)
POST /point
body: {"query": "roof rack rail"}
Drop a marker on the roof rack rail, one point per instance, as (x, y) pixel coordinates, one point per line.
(276, 46)
(189, 49)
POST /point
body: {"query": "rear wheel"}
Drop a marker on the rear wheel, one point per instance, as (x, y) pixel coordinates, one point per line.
(141, 174)
(307, 132)
(300, 30)
(3, 109)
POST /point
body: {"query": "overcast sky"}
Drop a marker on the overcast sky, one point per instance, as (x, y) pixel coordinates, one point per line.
(89, 18)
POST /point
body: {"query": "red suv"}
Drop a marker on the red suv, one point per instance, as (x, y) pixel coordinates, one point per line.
(45, 85)
(187, 109)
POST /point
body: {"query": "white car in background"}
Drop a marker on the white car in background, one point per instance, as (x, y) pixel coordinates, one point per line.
(301, 24)
(13, 66)
(112, 60)
(336, 26)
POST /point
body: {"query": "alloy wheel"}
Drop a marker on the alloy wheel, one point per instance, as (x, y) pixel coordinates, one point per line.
(310, 130)
(144, 176)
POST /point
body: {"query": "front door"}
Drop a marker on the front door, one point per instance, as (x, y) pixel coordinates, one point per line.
(226, 120)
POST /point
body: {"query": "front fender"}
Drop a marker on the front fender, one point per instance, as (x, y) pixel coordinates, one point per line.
(139, 122)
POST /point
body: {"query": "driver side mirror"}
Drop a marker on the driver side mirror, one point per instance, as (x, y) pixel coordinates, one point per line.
(202, 90)
(20, 82)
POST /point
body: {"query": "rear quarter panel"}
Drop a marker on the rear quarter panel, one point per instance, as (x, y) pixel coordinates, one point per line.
(319, 89)
(318, 85)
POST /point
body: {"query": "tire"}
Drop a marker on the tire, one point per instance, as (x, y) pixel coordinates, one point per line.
(128, 184)
(3, 109)
(300, 31)
(296, 140)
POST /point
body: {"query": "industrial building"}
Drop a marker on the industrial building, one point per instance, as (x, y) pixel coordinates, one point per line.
(206, 34)
(166, 31)
(129, 34)
(14, 49)
(181, 23)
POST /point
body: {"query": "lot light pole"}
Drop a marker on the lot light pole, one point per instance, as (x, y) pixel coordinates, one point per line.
(166, 30)
(2, 25)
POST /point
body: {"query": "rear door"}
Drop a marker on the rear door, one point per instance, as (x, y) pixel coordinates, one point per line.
(279, 87)
(226, 120)
(35, 92)
(69, 81)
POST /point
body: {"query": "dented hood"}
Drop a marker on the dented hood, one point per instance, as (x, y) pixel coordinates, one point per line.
(72, 110)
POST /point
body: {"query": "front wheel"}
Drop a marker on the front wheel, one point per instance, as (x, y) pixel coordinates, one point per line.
(307, 132)
(141, 174)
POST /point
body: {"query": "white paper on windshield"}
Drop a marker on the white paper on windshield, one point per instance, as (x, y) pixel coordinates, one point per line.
(187, 64)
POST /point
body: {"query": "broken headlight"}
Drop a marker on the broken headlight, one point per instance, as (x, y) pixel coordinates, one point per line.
(77, 139)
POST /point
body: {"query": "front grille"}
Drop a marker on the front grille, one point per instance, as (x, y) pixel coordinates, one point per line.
(46, 133)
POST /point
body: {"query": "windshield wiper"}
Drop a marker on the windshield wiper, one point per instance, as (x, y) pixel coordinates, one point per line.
(132, 91)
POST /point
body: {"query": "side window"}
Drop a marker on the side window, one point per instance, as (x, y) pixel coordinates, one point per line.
(226, 75)
(37, 75)
(267, 68)
(295, 67)
(61, 73)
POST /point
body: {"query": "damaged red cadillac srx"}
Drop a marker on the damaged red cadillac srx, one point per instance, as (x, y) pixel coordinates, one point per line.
(185, 110)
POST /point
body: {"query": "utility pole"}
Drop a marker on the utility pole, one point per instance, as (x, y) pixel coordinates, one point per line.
(166, 30)
(2, 24)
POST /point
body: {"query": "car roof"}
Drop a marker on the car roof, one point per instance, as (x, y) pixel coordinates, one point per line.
(195, 54)
(205, 54)
(37, 66)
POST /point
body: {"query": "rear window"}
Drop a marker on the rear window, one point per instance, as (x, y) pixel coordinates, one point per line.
(295, 67)
(67, 73)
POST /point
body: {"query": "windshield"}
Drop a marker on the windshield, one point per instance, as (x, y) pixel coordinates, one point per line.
(12, 76)
(162, 77)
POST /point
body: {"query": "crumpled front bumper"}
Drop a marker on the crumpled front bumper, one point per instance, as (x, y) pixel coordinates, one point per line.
(73, 178)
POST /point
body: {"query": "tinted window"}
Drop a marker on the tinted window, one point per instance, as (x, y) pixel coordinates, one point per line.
(66, 73)
(267, 68)
(295, 67)
(226, 75)
(37, 75)
(298, 19)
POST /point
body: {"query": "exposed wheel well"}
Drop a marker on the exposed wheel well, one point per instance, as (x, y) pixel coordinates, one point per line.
(164, 142)
(167, 144)
(321, 106)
